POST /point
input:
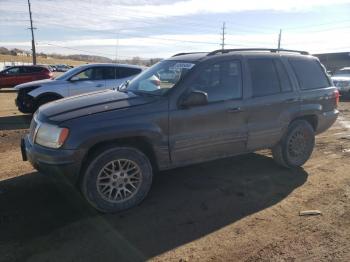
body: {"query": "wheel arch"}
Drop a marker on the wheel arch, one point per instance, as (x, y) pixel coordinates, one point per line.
(48, 94)
(312, 119)
(138, 142)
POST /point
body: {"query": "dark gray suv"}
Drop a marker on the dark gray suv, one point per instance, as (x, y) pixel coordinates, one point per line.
(186, 109)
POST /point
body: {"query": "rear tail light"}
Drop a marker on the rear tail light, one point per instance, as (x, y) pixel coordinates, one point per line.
(51, 75)
(336, 95)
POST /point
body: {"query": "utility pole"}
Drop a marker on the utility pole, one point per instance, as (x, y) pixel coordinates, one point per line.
(279, 40)
(223, 35)
(32, 29)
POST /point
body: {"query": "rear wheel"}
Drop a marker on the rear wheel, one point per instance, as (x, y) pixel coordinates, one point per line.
(296, 147)
(117, 179)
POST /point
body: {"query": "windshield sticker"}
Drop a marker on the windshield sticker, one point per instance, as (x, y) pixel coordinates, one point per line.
(182, 66)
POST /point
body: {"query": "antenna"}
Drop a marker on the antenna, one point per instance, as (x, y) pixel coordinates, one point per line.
(223, 36)
(32, 29)
(279, 40)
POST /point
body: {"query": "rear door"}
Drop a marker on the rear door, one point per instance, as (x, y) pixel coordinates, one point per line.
(122, 74)
(30, 73)
(88, 80)
(273, 101)
(217, 129)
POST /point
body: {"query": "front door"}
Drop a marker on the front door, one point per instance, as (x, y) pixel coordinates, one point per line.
(12, 76)
(214, 130)
(88, 80)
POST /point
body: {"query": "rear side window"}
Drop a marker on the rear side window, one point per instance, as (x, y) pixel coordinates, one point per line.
(265, 80)
(109, 73)
(126, 71)
(285, 83)
(32, 69)
(310, 74)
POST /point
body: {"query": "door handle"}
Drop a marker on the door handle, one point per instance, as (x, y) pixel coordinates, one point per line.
(291, 100)
(99, 85)
(234, 110)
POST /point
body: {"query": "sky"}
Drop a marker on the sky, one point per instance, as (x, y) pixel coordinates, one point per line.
(161, 28)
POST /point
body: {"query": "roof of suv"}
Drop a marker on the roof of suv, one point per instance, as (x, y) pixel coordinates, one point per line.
(250, 51)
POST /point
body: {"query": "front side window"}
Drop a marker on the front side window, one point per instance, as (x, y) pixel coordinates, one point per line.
(13, 71)
(221, 81)
(152, 80)
(310, 74)
(85, 75)
(265, 80)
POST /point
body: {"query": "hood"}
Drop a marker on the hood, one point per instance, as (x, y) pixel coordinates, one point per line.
(341, 78)
(38, 83)
(90, 103)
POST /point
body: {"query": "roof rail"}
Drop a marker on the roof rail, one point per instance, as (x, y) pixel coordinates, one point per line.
(188, 53)
(224, 51)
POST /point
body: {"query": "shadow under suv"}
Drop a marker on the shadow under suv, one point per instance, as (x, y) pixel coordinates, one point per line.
(186, 109)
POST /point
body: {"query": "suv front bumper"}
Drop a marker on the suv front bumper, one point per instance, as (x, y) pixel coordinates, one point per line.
(52, 161)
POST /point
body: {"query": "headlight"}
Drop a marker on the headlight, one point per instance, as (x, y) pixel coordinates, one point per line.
(51, 136)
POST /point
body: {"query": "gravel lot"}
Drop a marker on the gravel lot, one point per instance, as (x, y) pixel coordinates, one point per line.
(243, 208)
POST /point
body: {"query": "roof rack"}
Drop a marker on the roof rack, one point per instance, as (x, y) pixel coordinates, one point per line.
(224, 51)
(188, 53)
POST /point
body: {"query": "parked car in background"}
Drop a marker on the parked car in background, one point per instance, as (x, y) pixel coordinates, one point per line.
(78, 80)
(62, 68)
(16, 75)
(217, 104)
(341, 80)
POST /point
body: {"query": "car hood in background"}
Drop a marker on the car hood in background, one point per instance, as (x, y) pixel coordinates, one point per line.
(39, 83)
(90, 103)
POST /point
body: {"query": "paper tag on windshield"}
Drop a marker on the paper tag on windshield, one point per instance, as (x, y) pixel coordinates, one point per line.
(182, 66)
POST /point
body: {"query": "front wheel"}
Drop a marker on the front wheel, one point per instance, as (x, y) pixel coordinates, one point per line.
(117, 179)
(296, 147)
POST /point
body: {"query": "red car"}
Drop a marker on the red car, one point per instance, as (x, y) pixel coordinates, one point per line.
(16, 75)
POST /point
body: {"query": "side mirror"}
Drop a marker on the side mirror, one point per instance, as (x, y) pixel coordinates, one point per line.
(74, 78)
(195, 98)
(123, 85)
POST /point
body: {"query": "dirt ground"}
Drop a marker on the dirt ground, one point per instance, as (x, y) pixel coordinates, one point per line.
(238, 209)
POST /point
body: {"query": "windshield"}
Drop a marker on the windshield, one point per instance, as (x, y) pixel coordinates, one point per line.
(69, 73)
(160, 78)
(342, 72)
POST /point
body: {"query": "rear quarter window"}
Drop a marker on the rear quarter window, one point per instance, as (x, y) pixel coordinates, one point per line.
(310, 74)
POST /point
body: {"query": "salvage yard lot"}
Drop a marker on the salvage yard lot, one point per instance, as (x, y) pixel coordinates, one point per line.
(242, 208)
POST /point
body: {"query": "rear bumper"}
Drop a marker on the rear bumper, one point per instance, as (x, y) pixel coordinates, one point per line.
(52, 161)
(326, 120)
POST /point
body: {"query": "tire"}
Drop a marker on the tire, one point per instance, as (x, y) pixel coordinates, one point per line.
(109, 187)
(296, 147)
